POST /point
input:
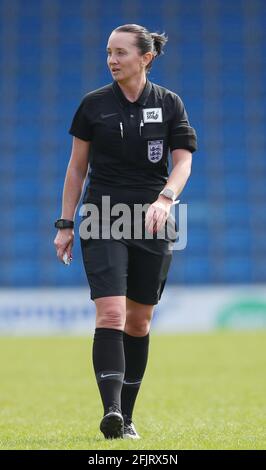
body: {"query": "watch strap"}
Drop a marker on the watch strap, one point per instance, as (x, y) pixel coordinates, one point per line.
(64, 223)
(168, 193)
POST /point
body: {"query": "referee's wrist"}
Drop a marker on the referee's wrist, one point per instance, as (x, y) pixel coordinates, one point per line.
(162, 198)
(64, 224)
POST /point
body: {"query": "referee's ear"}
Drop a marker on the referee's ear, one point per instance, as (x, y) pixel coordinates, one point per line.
(147, 58)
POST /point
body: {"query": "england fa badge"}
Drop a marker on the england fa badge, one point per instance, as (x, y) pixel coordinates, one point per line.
(155, 150)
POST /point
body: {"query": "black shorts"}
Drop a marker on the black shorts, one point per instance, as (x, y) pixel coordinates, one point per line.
(134, 268)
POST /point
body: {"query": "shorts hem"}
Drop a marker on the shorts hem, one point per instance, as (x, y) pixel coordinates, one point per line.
(99, 296)
(145, 301)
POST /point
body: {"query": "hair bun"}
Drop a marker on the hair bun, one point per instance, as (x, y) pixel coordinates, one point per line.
(159, 40)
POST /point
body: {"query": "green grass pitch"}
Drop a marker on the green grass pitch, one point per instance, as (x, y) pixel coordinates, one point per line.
(200, 391)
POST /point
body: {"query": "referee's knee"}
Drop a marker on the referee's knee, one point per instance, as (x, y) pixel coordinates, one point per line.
(110, 315)
(140, 328)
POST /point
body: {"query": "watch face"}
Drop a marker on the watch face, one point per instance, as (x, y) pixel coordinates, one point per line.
(169, 193)
(60, 224)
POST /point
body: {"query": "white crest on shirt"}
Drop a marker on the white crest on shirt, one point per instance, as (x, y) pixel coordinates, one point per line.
(155, 150)
(152, 115)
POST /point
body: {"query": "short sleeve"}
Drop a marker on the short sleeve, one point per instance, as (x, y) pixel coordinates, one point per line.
(182, 135)
(81, 126)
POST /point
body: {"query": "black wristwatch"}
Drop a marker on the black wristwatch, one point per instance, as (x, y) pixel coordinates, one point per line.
(64, 223)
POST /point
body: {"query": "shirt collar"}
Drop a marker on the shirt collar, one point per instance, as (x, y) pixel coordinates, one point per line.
(142, 99)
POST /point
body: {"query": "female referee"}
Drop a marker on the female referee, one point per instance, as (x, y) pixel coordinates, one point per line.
(122, 133)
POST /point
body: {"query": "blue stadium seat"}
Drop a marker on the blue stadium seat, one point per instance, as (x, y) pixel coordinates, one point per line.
(234, 269)
(197, 270)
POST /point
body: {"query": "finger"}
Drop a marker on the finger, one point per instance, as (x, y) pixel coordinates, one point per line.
(154, 226)
(149, 221)
(68, 251)
(60, 254)
(163, 221)
(150, 226)
(159, 223)
(149, 215)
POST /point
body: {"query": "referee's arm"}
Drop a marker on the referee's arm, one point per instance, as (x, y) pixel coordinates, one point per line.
(182, 161)
(75, 178)
(76, 175)
(158, 211)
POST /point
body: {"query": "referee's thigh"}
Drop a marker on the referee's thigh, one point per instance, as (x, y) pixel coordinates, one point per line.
(106, 264)
(147, 272)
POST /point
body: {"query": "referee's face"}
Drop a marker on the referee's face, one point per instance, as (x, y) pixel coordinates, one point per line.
(123, 57)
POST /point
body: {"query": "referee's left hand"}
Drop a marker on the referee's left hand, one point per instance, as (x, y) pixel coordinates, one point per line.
(157, 214)
(63, 242)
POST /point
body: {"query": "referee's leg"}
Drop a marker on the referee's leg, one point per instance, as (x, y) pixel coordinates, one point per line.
(149, 262)
(136, 348)
(109, 360)
(106, 263)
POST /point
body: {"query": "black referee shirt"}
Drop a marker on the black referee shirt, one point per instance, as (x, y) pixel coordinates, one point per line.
(130, 142)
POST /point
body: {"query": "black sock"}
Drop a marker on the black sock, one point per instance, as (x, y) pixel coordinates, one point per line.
(136, 356)
(109, 365)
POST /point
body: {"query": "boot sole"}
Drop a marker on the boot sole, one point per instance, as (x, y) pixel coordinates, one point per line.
(130, 436)
(112, 426)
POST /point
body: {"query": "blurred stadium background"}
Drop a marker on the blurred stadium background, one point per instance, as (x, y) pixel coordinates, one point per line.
(52, 53)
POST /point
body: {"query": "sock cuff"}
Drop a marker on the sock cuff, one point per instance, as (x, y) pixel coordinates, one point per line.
(108, 333)
(136, 339)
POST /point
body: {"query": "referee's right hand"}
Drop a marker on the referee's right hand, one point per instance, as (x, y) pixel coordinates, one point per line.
(63, 243)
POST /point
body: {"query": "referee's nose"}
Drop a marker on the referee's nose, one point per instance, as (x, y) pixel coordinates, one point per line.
(113, 64)
(112, 60)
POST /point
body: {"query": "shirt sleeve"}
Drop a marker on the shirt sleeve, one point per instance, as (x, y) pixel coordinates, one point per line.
(182, 135)
(81, 126)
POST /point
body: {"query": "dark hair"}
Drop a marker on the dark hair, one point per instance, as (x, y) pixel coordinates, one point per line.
(146, 41)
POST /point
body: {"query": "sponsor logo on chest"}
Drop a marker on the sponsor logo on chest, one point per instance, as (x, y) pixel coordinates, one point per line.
(152, 115)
